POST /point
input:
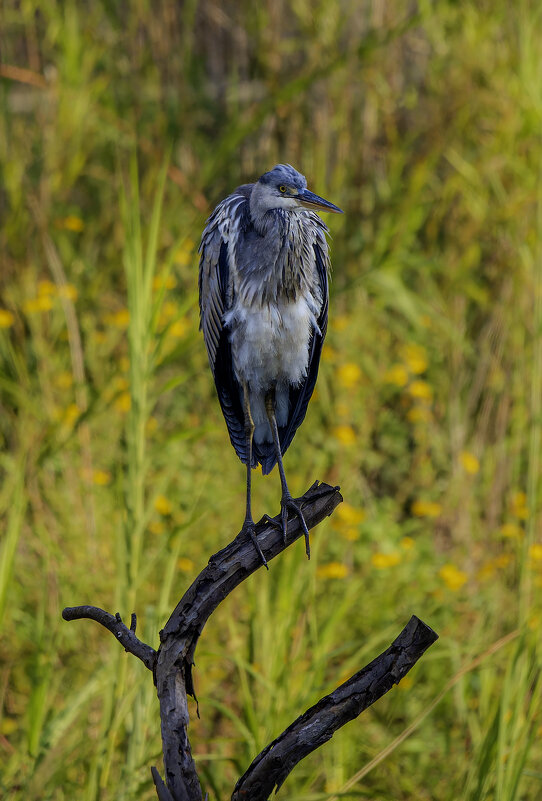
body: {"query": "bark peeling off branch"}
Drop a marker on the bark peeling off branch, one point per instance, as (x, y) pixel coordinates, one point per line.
(318, 724)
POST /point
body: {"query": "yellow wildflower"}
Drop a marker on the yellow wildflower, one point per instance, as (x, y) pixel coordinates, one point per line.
(419, 414)
(397, 374)
(120, 383)
(426, 509)
(164, 281)
(421, 390)
(152, 425)
(518, 504)
(415, 357)
(39, 304)
(179, 328)
(407, 543)
(185, 564)
(8, 726)
(71, 414)
(124, 364)
(334, 570)
(535, 553)
(6, 318)
(344, 434)
(46, 288)
(63, 380)
(328, 354)
(452, 576)
(123, 402)
(101, 477)
(70, 223)
(118, 319)
(340, 322)
(157, 527)
(349, 375)
(68, 291)
(349, 533)
(405, 683)
(384, 560)
(512, 531)
(469, 462)
(351, 515)
(346, 520)
(162, 505)
(185, 253)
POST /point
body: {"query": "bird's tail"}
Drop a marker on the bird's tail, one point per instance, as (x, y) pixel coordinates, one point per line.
(264, 453)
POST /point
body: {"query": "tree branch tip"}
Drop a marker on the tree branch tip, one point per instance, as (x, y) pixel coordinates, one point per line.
(161, 790)
(78, 612)
(423, 629)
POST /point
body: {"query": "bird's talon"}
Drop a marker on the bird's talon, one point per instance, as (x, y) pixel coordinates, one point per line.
(271, 521)
(290, 503)
(249, 529)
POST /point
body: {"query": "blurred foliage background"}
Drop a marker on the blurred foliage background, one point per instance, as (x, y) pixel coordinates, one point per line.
(117, 477)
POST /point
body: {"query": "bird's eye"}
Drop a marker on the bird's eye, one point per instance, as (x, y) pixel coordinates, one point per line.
(282, 188)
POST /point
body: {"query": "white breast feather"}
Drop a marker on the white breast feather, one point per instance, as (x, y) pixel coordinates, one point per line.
(270, 346)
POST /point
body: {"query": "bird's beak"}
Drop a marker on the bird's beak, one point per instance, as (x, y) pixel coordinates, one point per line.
(311, 201)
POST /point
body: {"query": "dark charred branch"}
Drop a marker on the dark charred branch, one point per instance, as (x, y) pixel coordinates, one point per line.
(172, 663)
(320, 722)
(225, 570)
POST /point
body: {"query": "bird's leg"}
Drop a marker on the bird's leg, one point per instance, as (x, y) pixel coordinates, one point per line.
(286, 502)
(248, 525)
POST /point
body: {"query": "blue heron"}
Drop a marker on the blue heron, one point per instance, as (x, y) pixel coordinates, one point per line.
(263, 284)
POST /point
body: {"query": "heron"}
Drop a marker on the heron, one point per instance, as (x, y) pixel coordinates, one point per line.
(263, 295)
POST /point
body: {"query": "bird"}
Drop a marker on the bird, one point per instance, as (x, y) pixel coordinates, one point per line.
(263, 296)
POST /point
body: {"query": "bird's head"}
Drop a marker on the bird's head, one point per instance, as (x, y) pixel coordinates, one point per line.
(285, 188)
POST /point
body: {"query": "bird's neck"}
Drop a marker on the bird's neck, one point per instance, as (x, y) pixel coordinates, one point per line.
(265, 221)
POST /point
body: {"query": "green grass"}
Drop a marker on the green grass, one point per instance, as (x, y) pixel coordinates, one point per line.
(119, 133)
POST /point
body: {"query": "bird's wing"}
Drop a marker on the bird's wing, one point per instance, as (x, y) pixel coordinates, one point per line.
(217, 257)
(300, 396)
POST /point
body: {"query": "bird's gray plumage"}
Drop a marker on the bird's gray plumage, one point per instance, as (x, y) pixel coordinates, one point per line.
(263, 301)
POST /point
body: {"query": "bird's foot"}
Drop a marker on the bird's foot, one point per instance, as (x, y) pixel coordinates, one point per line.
(288, 503)
(249, 530)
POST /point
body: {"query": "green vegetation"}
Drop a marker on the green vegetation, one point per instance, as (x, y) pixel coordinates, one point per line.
(121, 125)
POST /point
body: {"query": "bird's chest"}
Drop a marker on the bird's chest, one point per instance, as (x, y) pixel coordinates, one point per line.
(270, 342)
